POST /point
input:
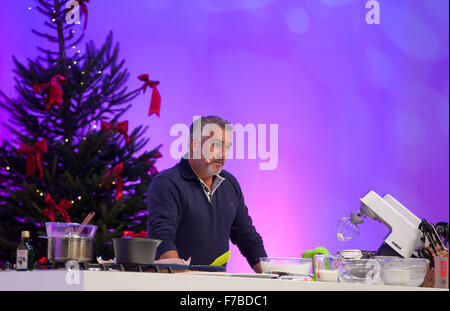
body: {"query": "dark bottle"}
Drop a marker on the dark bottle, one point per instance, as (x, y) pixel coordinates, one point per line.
(25, 253)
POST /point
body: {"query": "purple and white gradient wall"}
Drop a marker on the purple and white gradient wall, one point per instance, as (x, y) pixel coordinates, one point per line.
(359, 107)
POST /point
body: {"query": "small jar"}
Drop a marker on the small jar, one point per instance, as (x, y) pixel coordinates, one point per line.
(326, 267)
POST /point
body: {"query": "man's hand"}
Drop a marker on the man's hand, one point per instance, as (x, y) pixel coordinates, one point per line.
(257, 268)
(170, 254)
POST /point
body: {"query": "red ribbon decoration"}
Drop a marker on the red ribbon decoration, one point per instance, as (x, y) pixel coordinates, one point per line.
(121, 127)
(34, 153)
(117, 170)
(151, 168)
(132, 234)
(84, 9)
(62, 208)
(43, 260)
(155, 102)
(55, 93)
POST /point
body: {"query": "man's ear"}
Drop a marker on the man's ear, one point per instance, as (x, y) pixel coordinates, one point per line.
(195, 148)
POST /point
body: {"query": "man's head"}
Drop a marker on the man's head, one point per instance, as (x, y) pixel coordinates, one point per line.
(210, 140)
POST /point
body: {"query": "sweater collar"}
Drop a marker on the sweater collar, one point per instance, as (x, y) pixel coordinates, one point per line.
(186, 169)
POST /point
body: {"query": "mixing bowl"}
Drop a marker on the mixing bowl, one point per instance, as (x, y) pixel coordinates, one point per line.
(403, 271)
(359, 271)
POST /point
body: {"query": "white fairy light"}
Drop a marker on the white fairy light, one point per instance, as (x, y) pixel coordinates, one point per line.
(8, 168)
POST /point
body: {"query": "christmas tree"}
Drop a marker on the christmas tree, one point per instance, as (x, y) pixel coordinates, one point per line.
(71, 153)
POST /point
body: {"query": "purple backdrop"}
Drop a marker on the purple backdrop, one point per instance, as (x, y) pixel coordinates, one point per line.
(359, 107)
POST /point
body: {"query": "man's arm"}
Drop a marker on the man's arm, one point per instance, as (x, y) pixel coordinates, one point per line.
(163, 199)
(244, 235)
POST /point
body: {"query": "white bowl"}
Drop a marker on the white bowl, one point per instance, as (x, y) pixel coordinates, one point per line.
(403, 271)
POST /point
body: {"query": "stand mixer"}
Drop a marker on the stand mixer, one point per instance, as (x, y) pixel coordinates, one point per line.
(404, 236)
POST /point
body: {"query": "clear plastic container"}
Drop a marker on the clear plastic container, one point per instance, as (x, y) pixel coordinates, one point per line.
(326, 267)
(365, 271)
(64, 229)
(403, 271)
(287, 266)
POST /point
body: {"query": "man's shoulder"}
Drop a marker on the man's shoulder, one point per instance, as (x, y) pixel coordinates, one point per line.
(228, 176)
(172, 174)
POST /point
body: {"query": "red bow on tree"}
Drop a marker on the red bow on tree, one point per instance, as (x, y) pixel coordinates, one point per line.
(62, 208)
(132, 234)
(121, 127)
(117, 170)
(55, 93)
(84, 9)
(33, 154)
(151, 168)
(155, 102)
(43, 260)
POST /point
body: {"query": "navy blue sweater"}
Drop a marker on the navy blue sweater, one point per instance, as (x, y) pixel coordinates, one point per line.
(181, 215)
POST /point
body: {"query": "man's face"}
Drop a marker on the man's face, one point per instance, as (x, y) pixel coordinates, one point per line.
(214, 148)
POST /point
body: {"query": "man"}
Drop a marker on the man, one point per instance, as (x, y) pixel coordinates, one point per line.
(195, 207)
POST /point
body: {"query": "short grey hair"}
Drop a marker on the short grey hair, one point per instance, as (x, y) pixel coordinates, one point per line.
(202, 121)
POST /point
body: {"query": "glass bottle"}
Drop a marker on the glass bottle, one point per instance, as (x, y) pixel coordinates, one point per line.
(25, 253)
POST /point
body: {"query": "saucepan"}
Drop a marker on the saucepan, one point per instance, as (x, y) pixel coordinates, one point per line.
(135, 250)
(70, 241)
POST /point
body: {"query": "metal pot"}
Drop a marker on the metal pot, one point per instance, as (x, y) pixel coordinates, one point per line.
(70, 241)
(62, 249)
(135, 250)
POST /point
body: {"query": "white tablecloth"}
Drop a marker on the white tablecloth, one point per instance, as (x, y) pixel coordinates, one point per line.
(82, 280)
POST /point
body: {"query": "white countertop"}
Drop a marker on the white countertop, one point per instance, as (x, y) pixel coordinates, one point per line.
(82, 280)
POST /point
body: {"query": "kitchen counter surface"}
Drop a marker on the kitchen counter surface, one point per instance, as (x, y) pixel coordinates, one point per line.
(83, 280)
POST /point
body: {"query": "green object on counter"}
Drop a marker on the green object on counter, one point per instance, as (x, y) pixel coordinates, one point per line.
(221, 260)
(311, 253)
